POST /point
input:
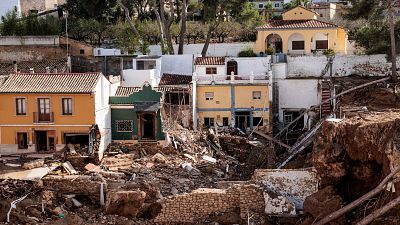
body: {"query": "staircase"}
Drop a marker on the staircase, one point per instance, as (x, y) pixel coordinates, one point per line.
(325, 95)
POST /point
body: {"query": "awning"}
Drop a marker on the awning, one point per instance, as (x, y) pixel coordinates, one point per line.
(146, 106)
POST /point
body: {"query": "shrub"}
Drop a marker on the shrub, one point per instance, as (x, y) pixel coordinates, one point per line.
(248, 52)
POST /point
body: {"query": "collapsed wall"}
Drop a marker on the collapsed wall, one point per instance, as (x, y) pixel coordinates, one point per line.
(245, 200)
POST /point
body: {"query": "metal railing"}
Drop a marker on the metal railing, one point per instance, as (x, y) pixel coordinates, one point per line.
(43, 117)
(227, 79)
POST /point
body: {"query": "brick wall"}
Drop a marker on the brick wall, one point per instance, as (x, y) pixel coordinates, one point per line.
(190, 207)
(29, 53)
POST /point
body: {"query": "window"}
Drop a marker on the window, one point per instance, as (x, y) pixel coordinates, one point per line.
(99, 52)
(321, 15)
(208, 122)
(211, 70)
(209, 96)
(20, 106)
(321, 44)
(22, 139)
(256, 94)
(260, 6)
(140, 65)
(276, 5)
(66, 106)
(124, 125)
(287, 118)
(225, 121)
(82, 51)
(257, 120)
(297, 45)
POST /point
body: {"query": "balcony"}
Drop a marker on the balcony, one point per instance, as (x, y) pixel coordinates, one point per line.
(232, 79)
(43, 117)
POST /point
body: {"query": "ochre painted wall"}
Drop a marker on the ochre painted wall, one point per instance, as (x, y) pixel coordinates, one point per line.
(337, 39)
(222, 96)
(299, 13)
(244, 97)
(83, 115)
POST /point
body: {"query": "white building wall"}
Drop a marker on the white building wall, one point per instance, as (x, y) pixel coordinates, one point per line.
(29, 40)
(201, 70)
(103, 113)
(177, 64)
(136, 78)
(106, 51)
(255, 65)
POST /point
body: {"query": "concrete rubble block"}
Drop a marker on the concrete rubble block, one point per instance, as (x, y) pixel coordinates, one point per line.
(125, 203)
(33, 164)
(159, 158)
(278, 205)
(85, 185)
(93, 168)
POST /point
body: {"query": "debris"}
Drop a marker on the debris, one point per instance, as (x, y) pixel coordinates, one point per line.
(93, 168)
(125, 203)
(76, 203)
(33, 164)
(33, 174)
(13, 165)
(209, 159)
(278, 205)
(69, 168)
(14, 206)
(159, 158)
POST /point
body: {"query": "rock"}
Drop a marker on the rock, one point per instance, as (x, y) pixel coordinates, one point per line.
(48, 197)
(76, 203)
(324, 202)
(159, 158)
(174, 191)
(57, 211)
(93, 168)
(33, 164)
(125, 203)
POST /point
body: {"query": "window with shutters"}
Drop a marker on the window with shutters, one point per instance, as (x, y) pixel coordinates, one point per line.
(20, 106)
(124, 125)
(66, 106)
(321, 44)
(209, 96)
(208, 122)
(297, 45)
(256, 94)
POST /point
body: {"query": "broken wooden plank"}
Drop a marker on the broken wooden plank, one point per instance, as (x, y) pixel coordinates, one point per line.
(379, 212)
(272, 139)
(360, 200)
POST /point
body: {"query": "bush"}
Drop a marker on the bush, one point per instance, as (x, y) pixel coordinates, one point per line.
(269, 51)
(248, 52)
(328, 52)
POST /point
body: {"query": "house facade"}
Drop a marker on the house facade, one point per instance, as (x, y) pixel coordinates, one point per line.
(44, 112)
(299, 33)
(276, 6)
(135, 114)
(225, 94)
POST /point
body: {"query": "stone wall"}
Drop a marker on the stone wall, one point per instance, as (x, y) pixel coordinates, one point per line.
(199, 204)
(30, 53)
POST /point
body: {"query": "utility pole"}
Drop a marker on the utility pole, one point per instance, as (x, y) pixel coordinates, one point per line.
(392, 39)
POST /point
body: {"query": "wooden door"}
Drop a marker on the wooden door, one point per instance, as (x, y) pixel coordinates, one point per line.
(44, 109)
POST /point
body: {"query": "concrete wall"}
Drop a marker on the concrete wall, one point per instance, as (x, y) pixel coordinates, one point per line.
(343, 65)
(252, 65)
(103, 113)
(201, 70)
(31, 53)
(106, 52)
(136, 78)
(215, 49)
(29, 40)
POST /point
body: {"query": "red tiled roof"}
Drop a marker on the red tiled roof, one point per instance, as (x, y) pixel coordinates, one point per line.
(296, 24)
(210, 61)
(50, 83)
(126, 91)
(38, 66)
(175, 79)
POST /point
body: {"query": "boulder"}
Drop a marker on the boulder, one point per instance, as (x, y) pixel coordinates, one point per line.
(125, 203)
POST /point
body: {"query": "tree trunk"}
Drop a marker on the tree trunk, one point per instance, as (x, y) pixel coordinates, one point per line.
(211, 29)
(392, 40)
(182, 35)
(167, 24)
(160, 27)
(128, 17)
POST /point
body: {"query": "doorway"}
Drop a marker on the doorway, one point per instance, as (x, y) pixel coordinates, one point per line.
(242, 120)
(232, 67)
(41, 140)
(148, 126)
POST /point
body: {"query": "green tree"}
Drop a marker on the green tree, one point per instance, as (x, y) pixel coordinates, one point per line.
(10, 24)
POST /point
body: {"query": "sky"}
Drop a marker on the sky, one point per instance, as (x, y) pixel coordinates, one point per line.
(7, 5)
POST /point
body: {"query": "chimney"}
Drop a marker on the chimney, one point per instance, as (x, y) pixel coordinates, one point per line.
(47, 69)
(15, 66)
(55, 70)
(31, 70)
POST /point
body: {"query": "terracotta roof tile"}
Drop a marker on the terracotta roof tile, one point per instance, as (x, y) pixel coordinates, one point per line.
(38, 66)
(296, 24)
(50, 83)
(210, 61)
(175, 79)
(126, 91)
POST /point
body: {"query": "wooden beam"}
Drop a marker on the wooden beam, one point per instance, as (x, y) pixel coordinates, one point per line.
(379, 212)
(360, 200)
(272, 139)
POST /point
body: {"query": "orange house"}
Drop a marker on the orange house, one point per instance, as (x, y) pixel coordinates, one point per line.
(44, 112)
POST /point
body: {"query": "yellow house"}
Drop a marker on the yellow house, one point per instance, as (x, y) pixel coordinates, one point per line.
(230, 99)
(300, 32)
(44, 112)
